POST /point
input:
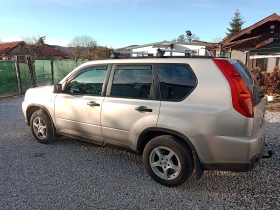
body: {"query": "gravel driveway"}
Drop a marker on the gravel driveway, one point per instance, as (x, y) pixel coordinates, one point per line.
(70, 174)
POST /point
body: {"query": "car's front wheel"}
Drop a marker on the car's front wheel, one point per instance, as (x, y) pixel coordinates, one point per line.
(41, 127)
(168, 160)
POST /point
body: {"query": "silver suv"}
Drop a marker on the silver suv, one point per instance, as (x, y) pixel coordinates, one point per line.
(181, 113)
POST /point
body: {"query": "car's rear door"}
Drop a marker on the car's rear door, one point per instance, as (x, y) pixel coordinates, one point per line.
(130, 105)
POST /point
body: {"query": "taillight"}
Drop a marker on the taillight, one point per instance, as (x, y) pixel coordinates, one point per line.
(241, 97)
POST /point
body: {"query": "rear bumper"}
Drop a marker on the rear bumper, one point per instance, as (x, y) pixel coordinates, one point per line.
(229, 153)
(236, 167)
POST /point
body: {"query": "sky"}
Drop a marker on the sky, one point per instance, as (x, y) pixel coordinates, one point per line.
(120, 23)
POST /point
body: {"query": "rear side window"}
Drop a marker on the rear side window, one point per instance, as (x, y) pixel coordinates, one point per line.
(133, 82)
(176, 81)
(251, 83)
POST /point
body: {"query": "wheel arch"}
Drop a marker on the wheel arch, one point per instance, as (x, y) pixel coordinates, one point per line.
(35, 107)
(152, 132)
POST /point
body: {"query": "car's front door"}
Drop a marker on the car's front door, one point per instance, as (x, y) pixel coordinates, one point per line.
(130, 105)
(77, 110)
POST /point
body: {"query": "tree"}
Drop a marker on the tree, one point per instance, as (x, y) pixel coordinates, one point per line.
(181, 38)
(33, 40)
(82, 41)
(82, 47)
(102, 52)
(260, 77)
(272, 81)
(35, 47)
(185, 38)
(235, 24)
(217, 39)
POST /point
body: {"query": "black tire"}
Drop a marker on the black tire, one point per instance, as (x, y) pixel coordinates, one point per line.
(46, 135)
(182, 159)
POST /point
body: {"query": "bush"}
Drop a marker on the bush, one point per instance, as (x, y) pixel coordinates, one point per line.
(272, 81)
(259, 74)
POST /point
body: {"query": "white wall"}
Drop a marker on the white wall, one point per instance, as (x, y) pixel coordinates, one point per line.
(271, 64)
(180, 47)
(238, 55)
(148, 49)
(191, 47)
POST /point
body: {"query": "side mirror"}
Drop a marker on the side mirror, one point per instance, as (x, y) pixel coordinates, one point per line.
(57, 88)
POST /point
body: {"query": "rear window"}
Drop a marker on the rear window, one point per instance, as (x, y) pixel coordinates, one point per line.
(250, 81)
(176, 81)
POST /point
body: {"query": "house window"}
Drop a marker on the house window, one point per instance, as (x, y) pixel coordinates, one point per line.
(262, 63)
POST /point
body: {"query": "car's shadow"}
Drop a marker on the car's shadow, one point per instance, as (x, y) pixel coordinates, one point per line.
(214, 179)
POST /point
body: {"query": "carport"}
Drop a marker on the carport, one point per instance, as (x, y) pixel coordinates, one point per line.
(267, 55)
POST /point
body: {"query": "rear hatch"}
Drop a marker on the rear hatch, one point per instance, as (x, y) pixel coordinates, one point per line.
(254, 88)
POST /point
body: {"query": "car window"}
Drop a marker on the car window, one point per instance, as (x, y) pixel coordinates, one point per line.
(176, 81)
(132, 82)
(88, 82)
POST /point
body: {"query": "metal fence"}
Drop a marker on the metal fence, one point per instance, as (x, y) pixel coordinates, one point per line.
(17, 76)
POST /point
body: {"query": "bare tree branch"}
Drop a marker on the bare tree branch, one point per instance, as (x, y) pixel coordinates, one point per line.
(185, 38)
(82, 47)
(82, 41)
(217, 39)
(35, 47)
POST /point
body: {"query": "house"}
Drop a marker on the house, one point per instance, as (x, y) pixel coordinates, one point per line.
(9, 49)
(257, 45)
(54, 54)
(192, 48)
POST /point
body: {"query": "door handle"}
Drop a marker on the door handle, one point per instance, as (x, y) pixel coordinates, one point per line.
(93, 103)
(143, 109)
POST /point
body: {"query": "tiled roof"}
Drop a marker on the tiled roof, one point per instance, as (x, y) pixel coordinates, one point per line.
(5, 47)
(53, 52)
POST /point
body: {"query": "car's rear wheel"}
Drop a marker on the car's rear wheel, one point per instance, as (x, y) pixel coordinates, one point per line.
(41, 127)
(168, 160)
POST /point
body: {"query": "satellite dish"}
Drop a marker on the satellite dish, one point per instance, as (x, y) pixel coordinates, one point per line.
(189, 33)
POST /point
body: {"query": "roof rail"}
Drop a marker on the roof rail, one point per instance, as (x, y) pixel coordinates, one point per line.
(116, 53)
(160, 52)
(167, 57)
